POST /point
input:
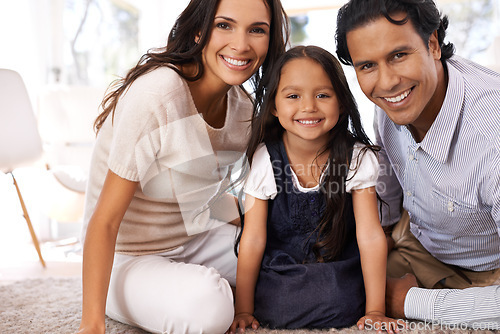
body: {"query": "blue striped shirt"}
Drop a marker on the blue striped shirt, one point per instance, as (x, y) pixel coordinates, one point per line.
(450, 185)
(450, 181)
(477, 308)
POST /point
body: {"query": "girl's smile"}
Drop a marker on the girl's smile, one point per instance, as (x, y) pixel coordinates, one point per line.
(306, 103)
(309, 122)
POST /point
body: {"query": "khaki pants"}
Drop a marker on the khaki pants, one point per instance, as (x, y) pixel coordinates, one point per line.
(409, 256)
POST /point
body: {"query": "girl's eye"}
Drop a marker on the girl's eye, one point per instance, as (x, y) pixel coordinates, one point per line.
(222, 25)
(292, 96)
(322, 96)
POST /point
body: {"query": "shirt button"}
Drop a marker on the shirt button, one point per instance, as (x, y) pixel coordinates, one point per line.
(411, 157)
(451, 206)
(408, 193)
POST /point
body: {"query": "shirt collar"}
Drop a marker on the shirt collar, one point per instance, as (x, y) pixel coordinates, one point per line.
(437, 141)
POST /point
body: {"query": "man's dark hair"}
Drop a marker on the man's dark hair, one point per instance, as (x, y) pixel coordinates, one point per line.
(423, 15)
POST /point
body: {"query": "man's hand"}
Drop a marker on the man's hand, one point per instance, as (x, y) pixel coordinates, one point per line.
(395, 294)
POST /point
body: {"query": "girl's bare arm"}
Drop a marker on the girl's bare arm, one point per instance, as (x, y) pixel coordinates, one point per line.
(252, 245)
(373, 250)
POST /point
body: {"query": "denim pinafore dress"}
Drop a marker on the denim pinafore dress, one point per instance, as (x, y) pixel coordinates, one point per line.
(293, 289)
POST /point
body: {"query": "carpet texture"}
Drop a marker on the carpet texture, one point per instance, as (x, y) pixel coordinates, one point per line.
(53, 306)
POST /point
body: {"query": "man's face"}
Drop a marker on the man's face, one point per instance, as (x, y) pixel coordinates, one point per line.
(397, 71)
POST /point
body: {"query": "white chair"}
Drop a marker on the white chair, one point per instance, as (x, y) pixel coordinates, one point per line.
(20, 142)
(66, 114)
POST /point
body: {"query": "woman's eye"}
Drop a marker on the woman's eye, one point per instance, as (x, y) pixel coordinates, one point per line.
(258, 31)
(222, 25)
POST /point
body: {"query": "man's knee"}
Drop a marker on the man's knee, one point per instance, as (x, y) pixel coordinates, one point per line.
(397, 265)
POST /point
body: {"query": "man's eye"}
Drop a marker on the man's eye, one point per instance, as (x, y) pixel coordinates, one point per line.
(399, 55)
(366, 66)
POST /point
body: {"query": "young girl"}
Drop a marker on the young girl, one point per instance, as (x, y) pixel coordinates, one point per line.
(169, 135)
(310, 196)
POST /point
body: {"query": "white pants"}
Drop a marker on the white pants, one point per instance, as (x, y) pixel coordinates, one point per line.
(186, 290)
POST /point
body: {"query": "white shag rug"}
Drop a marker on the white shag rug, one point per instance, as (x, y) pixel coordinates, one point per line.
(53, 306)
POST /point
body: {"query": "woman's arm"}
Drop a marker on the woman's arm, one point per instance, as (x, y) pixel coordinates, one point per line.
(373, 250)
(252, 245)
(225, 209)
(99, 247)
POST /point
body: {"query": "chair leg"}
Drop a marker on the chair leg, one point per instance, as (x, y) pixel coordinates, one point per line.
(30, 226)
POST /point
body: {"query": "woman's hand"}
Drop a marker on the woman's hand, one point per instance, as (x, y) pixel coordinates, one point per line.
(243, 320)
(84, 329)
(379, 322)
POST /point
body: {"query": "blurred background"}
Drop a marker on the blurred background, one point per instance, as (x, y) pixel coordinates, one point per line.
(68, 52)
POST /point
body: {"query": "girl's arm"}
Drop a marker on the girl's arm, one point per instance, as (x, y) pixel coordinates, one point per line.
(373, 250)
(252, 245)
(99, 247)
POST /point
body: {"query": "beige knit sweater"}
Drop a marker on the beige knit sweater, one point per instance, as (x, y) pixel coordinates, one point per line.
(158, 138)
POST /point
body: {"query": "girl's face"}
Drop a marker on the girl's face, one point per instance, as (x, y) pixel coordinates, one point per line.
(306, 103)
(238, 43)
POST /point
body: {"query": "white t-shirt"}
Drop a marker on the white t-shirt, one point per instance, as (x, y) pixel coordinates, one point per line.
(261, 184)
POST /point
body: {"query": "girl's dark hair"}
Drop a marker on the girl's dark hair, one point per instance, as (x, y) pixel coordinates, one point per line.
(196, 21)
(348, 130)
(423, 15)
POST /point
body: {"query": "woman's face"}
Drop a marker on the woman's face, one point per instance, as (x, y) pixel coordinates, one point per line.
(238, 42)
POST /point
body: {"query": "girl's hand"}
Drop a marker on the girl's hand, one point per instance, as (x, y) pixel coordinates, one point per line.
(379, 322)
(243, 320)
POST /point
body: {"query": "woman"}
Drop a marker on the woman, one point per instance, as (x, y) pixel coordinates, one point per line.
(170, 134)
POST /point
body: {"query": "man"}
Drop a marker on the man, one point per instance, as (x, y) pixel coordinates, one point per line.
(438, 123)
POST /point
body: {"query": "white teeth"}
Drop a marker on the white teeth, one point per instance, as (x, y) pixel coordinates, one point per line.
(398, 98)
(236, 62)
(308, 122)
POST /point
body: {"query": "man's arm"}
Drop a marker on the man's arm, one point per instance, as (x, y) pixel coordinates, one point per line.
(476, 308)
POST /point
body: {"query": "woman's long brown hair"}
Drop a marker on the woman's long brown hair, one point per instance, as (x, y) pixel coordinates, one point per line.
(195, 23)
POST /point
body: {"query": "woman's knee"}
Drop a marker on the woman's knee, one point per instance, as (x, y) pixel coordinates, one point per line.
(170, 297)
(207, 307)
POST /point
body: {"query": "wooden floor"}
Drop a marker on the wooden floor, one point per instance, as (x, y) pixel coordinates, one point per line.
(18, 257)
(19, 262)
